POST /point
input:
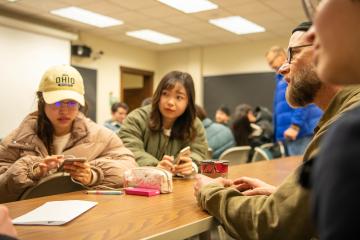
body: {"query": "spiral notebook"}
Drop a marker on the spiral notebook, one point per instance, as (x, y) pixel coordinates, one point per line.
(55, 213)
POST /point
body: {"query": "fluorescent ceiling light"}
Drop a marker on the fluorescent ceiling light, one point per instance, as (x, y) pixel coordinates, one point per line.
(85, 16)
(153, 36)
(190, 6)
(237, 25)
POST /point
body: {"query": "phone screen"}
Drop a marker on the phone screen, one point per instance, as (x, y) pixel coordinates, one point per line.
(71, 160)
(183, 152)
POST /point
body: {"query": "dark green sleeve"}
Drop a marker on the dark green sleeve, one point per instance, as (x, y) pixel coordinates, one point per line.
(199, 146)
(132, 134)
(282, 215)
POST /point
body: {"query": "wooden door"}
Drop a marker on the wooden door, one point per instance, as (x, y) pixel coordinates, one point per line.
(135, 86)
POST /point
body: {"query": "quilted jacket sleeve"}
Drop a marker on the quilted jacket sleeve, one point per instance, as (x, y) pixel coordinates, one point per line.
(282, 215)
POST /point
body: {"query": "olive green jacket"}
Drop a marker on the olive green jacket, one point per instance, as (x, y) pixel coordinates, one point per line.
(149, 147)
(285, 214)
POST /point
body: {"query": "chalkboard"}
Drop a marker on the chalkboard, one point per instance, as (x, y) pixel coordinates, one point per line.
(256, 89)
(90, 83)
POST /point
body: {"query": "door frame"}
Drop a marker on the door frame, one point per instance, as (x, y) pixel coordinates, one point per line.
(148, 77)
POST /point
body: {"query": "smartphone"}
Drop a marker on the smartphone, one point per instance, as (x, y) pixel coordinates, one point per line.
(141, 191)
(183, 152)
(71, 160)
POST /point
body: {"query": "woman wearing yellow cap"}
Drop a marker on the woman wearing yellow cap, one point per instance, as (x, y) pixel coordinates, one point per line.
(58, 129)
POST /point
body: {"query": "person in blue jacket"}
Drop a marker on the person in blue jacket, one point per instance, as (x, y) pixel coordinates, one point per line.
(293, 127)
(219, 136)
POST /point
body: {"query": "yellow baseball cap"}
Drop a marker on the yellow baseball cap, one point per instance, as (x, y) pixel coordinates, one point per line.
(62, 82)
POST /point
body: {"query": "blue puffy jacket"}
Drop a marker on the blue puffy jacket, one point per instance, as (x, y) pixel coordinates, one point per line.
(306, 118)
(219, 137)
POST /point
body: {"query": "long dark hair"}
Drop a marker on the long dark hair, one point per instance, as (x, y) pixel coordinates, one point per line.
(241, 125)
(45, 130)
(183, 127)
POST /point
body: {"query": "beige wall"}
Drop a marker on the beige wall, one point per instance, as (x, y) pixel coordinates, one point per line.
(187, 60)
(108, 67)
(239, 58)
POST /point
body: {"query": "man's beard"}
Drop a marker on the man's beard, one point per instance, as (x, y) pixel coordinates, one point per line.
(304, 87)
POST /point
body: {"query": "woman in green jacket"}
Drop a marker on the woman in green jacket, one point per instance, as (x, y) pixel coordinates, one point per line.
(156, 133)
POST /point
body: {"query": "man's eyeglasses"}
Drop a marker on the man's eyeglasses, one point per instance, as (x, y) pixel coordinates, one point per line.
(310, 8)
(71, 105)
(290, 53)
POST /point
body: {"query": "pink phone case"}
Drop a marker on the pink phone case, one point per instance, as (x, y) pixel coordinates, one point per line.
(141, 191)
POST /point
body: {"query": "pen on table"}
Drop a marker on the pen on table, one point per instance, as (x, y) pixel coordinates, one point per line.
(104, 192)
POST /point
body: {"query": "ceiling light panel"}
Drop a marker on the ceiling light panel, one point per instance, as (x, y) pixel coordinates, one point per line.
(86, 16)
(190, 6)
(237, 25)
(153, 36)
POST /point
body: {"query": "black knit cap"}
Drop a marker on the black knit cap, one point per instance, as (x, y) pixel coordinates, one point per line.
(303, 27)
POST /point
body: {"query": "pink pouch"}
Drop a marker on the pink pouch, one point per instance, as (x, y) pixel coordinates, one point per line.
(149, 177)
(141, 191)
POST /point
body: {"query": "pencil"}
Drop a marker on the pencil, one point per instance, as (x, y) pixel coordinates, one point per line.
(104, 192)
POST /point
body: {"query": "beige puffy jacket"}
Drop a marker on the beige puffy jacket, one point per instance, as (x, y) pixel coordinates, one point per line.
(22, 150)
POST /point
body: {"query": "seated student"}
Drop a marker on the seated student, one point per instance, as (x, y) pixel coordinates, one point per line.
(37, 147)
(285, 212)
(222, 115)
(219, 137)
(7, 230)
(119, 112)
(156, 133)
(252, 130)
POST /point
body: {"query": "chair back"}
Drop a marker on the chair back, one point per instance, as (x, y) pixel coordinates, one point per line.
(261, 154)
(209, 153)
(277, 149)
(236, 155)
(53, 184)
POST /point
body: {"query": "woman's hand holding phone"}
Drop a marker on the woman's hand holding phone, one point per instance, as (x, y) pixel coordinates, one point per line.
(79, 170)
(167, 163)
(183, 162)
(47, 164)
(185, 166)
(181, 165)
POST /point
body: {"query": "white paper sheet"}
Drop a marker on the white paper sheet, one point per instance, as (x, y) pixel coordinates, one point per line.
(54, 213)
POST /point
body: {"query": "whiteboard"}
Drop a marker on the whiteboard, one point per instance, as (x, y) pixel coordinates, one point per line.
(25, 56)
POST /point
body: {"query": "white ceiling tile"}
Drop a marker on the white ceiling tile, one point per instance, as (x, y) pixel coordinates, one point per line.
(151, 23)
(103, 7)
(216, 13)
(180, 20)
(160, 11)
(224, 3)
(261, 36)
(283, 4)
(135, 4)
(177, 31)
(42, 6)
(132, 17)
(253, 7)
(74, 2)
(199, 27)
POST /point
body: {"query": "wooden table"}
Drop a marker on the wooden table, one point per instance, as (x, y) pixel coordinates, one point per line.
(167, 216)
